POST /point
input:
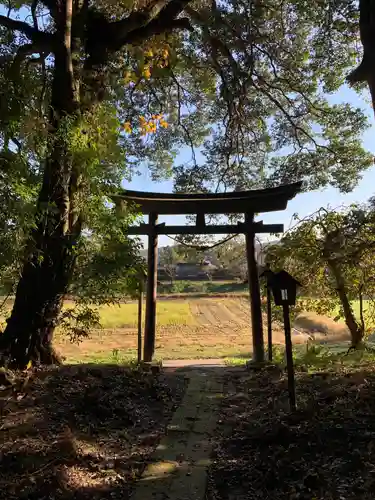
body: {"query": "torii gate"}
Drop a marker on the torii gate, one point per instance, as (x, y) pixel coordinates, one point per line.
(245, 202)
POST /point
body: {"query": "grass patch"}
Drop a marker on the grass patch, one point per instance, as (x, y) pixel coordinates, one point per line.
(175, 312)
(313, 358)
(126, 315)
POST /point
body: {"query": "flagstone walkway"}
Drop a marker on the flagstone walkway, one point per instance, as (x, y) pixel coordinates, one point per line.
(178, 467)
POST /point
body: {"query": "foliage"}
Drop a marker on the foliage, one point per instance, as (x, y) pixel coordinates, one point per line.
(273, 122)
(18, 189)
(228, 256)
(233, 81)
(282, 128)
(204, 287)
(109, 265)
(330, 253)
(232, 256)
(167, 259)
(313, 358)
(77, 322)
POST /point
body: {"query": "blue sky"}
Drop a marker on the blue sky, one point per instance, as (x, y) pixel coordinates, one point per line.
(304, 204)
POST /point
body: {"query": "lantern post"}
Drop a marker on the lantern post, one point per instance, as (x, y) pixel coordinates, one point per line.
(284, 289)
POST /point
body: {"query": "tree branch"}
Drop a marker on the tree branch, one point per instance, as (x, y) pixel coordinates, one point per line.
(33, 14)
(23, 51)
(36, 36)
(159, 18)
(179, 119)
(364, 72)
(52, 6)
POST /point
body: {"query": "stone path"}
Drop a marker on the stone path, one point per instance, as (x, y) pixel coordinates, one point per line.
(178, 467)
(193, 363)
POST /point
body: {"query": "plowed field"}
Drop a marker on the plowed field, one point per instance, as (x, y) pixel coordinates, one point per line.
(205, 328)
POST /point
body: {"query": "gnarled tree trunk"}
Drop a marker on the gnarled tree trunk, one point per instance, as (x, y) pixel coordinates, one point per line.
(365, 72)
(356, 330)
(48, 268)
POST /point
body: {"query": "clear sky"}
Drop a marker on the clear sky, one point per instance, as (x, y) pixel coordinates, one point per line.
(304, 204)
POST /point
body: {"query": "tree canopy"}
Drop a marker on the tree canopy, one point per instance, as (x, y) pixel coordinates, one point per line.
(331, 253)
(253, 109)
(92, 91)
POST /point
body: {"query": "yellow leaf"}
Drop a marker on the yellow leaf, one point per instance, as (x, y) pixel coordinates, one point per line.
(29, 365)
(147, 73)
(127, 127)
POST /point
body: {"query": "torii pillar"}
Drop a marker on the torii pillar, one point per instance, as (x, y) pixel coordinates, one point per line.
(152, 281)
(239, 202)
(254, 291)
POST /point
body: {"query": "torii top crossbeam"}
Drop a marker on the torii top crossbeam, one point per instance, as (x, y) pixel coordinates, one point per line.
(248, 203)
(255, 201)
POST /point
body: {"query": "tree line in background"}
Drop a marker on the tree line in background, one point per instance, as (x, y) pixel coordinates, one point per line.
(226, 261)
(92, 91)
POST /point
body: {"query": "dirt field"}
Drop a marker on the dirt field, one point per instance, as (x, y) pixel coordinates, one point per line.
(323, 451)
(186, 329)
(82, 432)
(210, 328)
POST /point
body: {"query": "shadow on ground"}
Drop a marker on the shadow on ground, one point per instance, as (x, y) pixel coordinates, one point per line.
(326, 450)
(83, 431)
(86, 432)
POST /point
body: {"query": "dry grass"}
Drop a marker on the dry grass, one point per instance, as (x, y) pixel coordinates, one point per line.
(187, 329)
(322, 327)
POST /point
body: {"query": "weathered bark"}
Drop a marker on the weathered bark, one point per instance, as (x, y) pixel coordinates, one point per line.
(365, 72)
(48, 268)
(356, 330)
(49, 265)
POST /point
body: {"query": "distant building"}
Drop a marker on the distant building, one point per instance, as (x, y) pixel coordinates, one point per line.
(190, 271)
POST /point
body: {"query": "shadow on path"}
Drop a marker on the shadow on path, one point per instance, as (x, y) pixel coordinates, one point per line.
(83, 431)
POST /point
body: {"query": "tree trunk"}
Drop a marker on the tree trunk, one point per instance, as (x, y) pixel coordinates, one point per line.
(49, 265)
(356, 331)
(365, 72)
